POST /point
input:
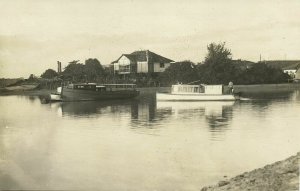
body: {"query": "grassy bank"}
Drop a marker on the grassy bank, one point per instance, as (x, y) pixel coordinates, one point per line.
(282, 175)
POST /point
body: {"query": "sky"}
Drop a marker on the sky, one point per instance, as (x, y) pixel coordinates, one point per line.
(35, 34)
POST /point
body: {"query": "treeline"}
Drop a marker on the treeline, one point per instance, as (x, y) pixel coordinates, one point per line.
(90, 71)
(217, 68)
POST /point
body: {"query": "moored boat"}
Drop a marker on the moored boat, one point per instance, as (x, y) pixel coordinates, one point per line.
(92, 91)
(56, 96)
(184, 92)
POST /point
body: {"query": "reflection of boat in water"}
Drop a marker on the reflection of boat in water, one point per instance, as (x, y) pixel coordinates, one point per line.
(91, 108)
(181, 92)
(210, 107)
(91, 91)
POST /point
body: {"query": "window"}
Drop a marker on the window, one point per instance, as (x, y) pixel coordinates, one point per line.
(162, 65)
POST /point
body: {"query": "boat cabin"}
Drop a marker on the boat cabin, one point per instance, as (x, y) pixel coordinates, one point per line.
(88, 86)
(197, 89)
(101, 88)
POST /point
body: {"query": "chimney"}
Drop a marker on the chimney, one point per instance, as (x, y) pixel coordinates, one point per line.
(58, 67)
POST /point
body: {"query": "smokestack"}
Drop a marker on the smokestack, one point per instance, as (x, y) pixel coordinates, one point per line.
(58, 67)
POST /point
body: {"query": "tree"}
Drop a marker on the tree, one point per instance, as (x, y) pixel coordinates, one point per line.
(261, 73)
(183, 72)
(93, 69)
(217, 67)
(49, 74)
(74, 72)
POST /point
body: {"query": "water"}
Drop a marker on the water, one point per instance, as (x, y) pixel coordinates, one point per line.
(142, 144)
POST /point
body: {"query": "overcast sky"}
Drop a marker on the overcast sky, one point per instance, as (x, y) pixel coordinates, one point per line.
(35, 34)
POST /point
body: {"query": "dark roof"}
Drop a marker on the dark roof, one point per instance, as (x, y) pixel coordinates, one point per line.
(141, 56)
(243, 64)
(292, 66)
(282, 64)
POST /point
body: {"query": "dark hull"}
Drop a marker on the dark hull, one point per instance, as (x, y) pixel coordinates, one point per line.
(87, 95)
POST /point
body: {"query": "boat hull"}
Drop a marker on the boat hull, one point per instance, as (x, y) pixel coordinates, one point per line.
(86, 95)
(195, 97)
(55, 97)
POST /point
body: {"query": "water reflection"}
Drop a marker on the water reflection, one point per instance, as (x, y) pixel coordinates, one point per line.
(94, 108)
(149, 113)
(216, 114)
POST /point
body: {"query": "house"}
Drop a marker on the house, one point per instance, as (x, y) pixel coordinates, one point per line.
(143, 61)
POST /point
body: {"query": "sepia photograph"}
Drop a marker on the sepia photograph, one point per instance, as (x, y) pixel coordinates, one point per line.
(150, 95)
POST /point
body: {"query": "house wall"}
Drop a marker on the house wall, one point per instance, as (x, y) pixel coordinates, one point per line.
(292, 73)
(142, 67)
(157, 67)
(116, 66)
(123, 63)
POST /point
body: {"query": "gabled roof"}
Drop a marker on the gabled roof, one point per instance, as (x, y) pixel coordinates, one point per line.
(141, 56)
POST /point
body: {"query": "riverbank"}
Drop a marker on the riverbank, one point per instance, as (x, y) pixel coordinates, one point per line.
(282, 175)
(261, 88)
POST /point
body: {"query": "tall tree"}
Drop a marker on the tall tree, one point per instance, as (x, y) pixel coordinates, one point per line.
(217, 67)
(93, 69)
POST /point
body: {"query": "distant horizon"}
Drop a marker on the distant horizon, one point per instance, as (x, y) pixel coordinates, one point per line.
(37, 34)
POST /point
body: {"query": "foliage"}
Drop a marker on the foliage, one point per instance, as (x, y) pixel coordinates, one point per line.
(182, 72)
(91, 71)
(74, 72)
(49, 74)
(217, 67)
(261, 73)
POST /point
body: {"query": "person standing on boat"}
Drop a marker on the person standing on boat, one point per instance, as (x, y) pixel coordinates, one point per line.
(230, 87)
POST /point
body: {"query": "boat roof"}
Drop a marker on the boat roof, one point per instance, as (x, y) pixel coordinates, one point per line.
(191, 85)
(118, 84)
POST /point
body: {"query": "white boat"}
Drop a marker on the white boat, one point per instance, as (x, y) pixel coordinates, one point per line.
(183, 92)
(57, 95)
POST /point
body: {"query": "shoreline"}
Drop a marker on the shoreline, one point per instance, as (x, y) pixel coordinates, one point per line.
(281, 175)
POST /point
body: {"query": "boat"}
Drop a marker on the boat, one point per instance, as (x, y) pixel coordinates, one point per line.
(56, 96)
(201, 92)
(92, 92)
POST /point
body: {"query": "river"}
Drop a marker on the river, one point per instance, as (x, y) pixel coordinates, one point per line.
(142, 144)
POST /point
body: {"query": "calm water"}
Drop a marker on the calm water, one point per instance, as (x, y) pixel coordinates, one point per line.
(142, 144)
